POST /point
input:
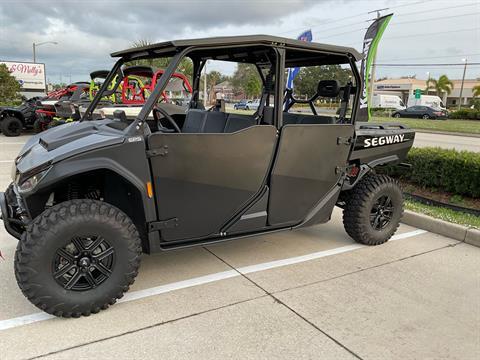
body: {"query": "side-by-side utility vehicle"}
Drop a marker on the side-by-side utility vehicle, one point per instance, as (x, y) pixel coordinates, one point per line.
(87, 198)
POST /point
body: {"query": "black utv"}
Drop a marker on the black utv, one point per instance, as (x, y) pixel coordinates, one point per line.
(88, 198)
(14, 119)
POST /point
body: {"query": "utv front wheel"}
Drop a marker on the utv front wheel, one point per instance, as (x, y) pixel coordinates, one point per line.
(77, 258)
(11, 126)
(373, 210)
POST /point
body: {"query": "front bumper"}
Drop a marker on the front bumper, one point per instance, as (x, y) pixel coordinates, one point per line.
(12, 213)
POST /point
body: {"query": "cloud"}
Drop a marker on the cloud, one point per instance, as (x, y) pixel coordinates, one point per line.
(87, 31)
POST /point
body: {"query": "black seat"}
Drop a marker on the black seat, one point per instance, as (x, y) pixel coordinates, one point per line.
(215, 122)
(194, 121)
(237, 122)
(289, 118)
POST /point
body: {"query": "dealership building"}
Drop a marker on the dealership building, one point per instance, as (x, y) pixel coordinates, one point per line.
(405, 87)
(31, 77)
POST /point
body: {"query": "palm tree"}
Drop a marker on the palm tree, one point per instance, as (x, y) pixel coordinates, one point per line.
(476, 91)
(442, 85)
(213, 79)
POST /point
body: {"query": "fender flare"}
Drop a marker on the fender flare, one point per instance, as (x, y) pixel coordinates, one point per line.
(67, 169)
(14, 112)
(366, 168)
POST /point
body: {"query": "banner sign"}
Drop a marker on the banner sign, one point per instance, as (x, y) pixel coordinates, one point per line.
(31, 76)
(370, 44)
(293, 72)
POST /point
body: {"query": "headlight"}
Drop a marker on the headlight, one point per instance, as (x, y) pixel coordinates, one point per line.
(30, 183)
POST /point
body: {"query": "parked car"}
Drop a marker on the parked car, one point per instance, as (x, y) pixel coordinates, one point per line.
(88, 198)
(247, 105)
(421, 112)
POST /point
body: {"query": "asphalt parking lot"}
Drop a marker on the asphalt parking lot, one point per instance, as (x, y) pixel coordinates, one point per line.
(305, 294)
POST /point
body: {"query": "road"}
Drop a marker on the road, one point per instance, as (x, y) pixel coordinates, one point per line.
(304, 294)
(447, 141)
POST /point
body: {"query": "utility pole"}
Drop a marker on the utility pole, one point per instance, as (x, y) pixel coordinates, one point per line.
(374, 65)
(34, 45)
(205, 85)
(463, 81)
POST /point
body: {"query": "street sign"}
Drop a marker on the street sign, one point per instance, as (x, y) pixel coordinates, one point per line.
(418, 93)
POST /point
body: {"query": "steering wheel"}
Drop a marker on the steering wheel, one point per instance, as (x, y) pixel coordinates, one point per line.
(167, 116)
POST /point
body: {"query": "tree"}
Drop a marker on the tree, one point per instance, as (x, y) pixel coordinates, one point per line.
(9, 86)
(213, 78)
(306, 82)
(440, 86)
(185, 67)
(476, 91)
(247, 80)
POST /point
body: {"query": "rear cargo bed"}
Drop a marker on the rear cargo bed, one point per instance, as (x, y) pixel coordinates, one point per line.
(381, 142)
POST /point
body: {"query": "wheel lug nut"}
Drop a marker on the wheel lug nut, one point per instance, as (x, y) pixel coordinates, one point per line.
(92, 268)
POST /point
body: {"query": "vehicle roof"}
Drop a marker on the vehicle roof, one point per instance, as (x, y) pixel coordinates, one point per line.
(175, 45)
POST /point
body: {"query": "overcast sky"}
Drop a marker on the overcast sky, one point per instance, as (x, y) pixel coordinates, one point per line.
(428, 31)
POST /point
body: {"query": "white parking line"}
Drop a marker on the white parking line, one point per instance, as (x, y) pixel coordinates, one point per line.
(5, 161)
(140, 294)
(12, 143)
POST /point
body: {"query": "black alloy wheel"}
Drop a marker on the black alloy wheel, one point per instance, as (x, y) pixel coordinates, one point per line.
(382, 212)
(84, 263)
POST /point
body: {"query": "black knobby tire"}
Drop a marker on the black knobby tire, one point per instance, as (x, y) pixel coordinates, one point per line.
(52, 231)
(363, 205)
(38, 126)
(11, 126)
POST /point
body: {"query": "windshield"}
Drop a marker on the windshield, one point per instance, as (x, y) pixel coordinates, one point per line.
(129, 85)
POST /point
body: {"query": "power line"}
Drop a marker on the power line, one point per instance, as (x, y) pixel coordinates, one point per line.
(349, 17)
(434, 57)
(429, 34)
(408, 22)
(434, 19)
(421, 65)
(432, 10)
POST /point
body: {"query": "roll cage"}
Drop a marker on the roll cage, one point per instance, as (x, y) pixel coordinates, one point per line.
(271, 56)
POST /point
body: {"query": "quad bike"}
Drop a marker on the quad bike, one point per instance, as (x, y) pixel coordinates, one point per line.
(88, 198)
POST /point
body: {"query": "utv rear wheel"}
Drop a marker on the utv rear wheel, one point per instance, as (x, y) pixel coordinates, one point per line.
(38, 126)
(373, 210)
(11, 126)
(77, 258)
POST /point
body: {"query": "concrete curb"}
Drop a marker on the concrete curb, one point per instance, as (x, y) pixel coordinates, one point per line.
(447, 133)
(458, 232)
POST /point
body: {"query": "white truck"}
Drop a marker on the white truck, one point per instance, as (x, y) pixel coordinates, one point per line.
(387, 102)
(432, 101)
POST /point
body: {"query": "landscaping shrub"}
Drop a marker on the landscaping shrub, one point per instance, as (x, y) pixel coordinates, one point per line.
(452, 171)
(470, 114)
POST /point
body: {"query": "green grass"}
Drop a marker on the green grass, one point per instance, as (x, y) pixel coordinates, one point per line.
(462, 126)
(449, 215)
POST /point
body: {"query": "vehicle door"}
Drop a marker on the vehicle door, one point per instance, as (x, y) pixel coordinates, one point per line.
(201, 180)
(308, 168)
(412, 112)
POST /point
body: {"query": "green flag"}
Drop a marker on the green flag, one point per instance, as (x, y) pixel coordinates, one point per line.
(370, 45)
